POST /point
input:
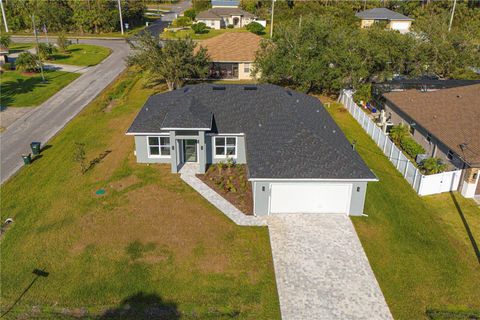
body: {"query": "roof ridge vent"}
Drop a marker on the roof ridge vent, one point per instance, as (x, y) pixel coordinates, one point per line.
(218, 88)
(250, 87)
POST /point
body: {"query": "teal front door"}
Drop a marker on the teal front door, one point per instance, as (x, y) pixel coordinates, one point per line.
(190, 150)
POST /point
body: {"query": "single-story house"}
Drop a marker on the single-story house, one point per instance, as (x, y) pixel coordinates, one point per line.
(233, 54)
(222, 17)
(298, 159)
(394, 20)
(446, 123)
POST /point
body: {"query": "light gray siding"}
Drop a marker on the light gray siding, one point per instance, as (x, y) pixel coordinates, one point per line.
(141, 151)
(241, 154)
(261, 195)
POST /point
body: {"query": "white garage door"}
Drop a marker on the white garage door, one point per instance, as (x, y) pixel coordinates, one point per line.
(310, 198)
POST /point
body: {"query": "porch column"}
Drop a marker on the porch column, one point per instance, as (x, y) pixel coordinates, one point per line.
(173, 152)
(202, 152)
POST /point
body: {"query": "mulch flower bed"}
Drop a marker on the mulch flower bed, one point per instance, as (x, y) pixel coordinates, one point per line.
(231, 182)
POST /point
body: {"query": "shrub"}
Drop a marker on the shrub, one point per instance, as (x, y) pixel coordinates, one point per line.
(200, 28)
(411, 147)
(45, 50)
(27, 61)
(363, 93)
(433, 166)
(398, 132)
(7, 66)
(230, 26)
(190, 13)
(182, 22)
(255, 27)
(5, 41)
(63, 42)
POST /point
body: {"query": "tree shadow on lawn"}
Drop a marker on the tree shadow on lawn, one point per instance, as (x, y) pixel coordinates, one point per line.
(467, 227)
(143, 306)
(19, 86)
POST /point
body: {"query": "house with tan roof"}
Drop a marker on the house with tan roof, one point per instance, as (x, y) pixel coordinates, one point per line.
(446, 122)
(233, 55)
(220, 17)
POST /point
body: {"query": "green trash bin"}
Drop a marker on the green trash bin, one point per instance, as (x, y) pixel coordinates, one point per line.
(35, 146)
(27, 158)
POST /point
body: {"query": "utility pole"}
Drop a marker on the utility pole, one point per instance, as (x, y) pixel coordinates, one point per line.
(271, 20)
(120, 13)
(4, 17)
(451, 17)
(37, 47)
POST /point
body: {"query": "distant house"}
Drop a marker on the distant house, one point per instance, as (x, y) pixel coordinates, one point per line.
(394, 20)
(233, 54)
(446, 122)
(225, 13)
(3, 55)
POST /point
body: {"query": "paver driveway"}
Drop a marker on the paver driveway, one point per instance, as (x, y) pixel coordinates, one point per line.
(321, 269)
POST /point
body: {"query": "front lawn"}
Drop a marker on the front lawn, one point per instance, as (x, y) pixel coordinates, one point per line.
(19, 47)
(149, 247)
(423, 250)
(182, 34)
(81, 55)
(27, 90)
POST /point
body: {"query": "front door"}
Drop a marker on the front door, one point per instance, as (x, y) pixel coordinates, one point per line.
(190, 150)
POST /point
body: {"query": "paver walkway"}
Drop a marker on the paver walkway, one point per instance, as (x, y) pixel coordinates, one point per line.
(187, 174)
(321, 269)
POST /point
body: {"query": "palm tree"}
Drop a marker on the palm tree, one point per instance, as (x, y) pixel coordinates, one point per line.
(433, 166)
(26, 61)
(397, 133)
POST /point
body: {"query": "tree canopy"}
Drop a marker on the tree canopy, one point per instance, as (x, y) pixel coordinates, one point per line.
(172, 61)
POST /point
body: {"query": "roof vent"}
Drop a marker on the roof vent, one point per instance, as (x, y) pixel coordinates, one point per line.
(250, 88)
(218, 88)
(289, 93)
(186, 90)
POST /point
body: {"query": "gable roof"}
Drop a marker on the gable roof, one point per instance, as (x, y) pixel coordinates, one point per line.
(450, 115)
(232, 47)
(217, 13)
(288, 135)
(381, 14)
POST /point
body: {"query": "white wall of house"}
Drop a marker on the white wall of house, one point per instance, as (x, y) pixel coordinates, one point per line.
(245, 71)
(400, 25)
(214, 24)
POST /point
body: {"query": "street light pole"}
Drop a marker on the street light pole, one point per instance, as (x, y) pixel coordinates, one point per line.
(120, 13)
(3, 15)
(451, 17)
(271, 20)
(37, 47)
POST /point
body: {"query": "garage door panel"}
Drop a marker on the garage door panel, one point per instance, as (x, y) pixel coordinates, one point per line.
(310, 198)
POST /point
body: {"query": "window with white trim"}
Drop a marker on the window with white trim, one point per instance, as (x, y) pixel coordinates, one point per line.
(225, 147)
(158, 147)
(246, 68)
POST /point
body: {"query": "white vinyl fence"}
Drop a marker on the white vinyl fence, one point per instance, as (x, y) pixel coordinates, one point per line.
(422, 184)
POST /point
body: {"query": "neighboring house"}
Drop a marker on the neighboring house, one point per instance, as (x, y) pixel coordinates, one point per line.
(298, 159)
(394, 20)
(446, 123)
(222, 17)
(233, 54)
(225, 3)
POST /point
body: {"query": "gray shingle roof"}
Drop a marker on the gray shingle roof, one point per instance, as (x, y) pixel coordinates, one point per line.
(289, 135)
(188, 113)
(228, 3)
(217, 13)
(381, 14)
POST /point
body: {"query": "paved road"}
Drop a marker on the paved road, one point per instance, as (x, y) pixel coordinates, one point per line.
(322, 271)
(156, 28)
(43, 122)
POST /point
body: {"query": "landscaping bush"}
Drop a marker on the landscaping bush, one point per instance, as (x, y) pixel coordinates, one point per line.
(5, 41)
(190, 13)
(182, 22)
(398, 132)
(27, 61)
(200, 28)
(411, 147)
(255, 27)
(7, 66)
(433, 166)
(230, 26)
(363, 93)
(63, 42)
(45, 50)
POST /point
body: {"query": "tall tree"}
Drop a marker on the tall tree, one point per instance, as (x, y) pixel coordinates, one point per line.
(173, 61)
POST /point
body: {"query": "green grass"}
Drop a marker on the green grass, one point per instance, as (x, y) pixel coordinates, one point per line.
(19, 47)
(26, 90)
(212, 33)
(150, 241)
(82, 55)
(418, 247)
